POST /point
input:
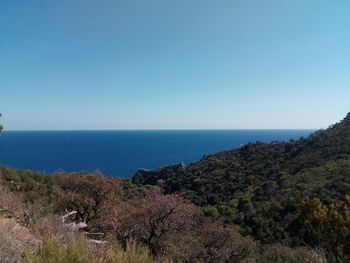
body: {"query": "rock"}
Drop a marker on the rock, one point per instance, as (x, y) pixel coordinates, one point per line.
(145, 176)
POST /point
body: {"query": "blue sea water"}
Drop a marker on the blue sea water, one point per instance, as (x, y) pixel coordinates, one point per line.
(121, 153)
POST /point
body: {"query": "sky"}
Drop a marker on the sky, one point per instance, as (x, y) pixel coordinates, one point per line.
(165, 64)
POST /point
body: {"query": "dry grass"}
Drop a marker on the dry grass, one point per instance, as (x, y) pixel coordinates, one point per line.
(53, 226)
(15, 240)
(79, 250)
(11, 205)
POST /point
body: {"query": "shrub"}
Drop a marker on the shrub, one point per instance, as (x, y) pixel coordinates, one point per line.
(15, 240)
(278, 253)
(211, 241)
(53, 251)
(150, 220)
(79, 251)
(53, 226)
(329, 227)
(133, 253)
(11, 205)
(85, 192)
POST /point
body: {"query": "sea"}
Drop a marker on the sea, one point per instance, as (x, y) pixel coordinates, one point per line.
(121, 152)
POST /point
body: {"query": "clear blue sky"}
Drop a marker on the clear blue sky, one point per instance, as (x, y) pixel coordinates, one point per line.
(164, 64)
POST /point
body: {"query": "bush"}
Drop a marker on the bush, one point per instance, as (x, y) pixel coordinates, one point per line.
(15, 240)
(79, 251)
(150, 220)
(278, 253)
(11, 205)
(53, 226)
(133, 253)
(53, 251)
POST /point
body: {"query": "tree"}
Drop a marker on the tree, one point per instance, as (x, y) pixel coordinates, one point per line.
(150, 219)
(85, 192)
(1, 127)
(223, 243)
(329, 227)
(211, 241)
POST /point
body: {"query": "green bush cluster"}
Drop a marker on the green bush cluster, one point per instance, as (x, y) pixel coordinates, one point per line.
(34, 185)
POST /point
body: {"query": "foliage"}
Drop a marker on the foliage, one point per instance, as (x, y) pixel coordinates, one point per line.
(79, 251)
(260, 185)
(329, 227)
(278, 253)
(258, 203)
(53, 226)
(33, 186)
(54, 252)
(15, 240)
(11, 205)
(81, 191)
(223, 243)
(133, 253)
(84, 192)
(1, 127)
(149, 220)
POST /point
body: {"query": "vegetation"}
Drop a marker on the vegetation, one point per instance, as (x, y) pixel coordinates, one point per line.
(140, 224)
(1, 127)
(281, 202)
(15, 238)
(55, 252)
(329, 226)
(260, 185)
(78, 250)
(151, 220)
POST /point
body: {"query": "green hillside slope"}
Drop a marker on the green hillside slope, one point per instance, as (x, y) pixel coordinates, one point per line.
(260, 185)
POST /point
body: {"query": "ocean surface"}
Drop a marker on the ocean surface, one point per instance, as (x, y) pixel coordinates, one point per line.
(121, 153)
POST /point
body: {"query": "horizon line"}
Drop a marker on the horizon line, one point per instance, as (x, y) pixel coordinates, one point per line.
(184, 129)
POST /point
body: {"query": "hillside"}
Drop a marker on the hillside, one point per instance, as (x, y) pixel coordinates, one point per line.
(260, 185)
(282, 202)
